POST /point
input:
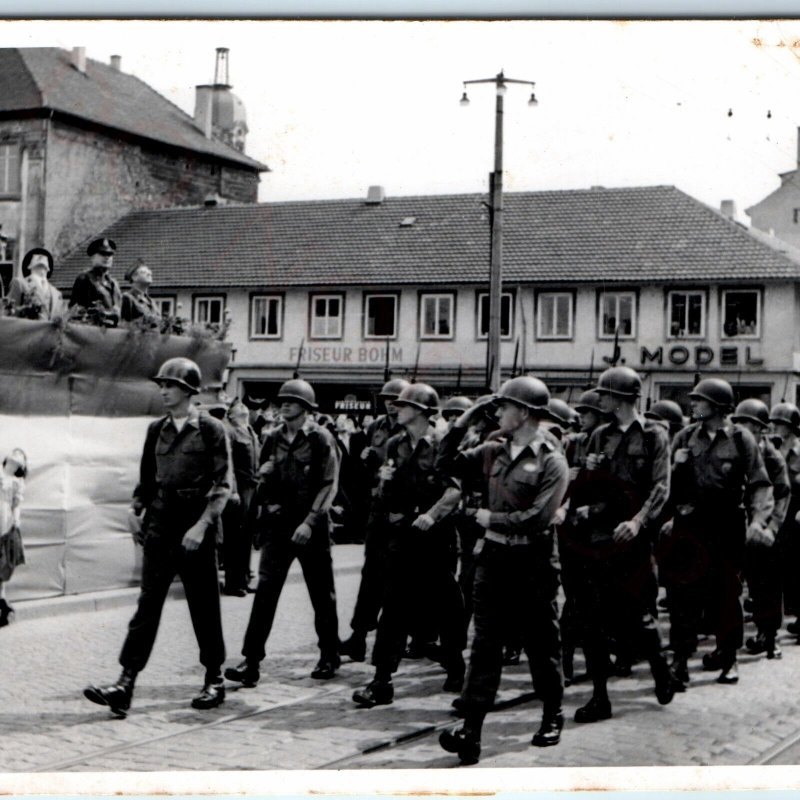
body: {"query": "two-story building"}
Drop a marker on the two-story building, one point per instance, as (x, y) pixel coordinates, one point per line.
(83, 143)
(341, 289)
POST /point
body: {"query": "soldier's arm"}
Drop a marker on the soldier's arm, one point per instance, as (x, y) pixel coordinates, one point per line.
(145, 490)
(781, 489)
(459, 463)
(759, 489)
(659, 480)
(328, 486)
(445, 505)
(533, 520)
(221, 472)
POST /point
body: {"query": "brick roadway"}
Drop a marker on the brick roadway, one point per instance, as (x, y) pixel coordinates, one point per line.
(292, 722)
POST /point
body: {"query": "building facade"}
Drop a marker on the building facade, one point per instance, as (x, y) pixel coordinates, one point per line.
(83, 143)
(344, 291)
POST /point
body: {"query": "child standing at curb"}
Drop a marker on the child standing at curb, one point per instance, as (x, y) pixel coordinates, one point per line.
(12, 488)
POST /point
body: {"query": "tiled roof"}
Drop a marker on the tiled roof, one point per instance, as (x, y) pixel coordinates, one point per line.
(33, 78)
(649, 234)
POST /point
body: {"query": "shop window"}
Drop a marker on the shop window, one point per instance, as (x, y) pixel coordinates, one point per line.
(380, 316)
(265, 316)
(326, 316)
(209, 310)
(617, 310)
(741, 313)
(687, 314)
(436, 316)
(554, 315)
(506, 324)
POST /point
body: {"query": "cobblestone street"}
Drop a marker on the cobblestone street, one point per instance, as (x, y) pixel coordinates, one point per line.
(293, 722)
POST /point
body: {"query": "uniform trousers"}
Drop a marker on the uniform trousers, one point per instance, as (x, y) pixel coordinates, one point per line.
(612, 587)
(762, 569)
(421, 593)
(514, 594)
(788, 544)
(237, 539)
(372, 588)
(164, 558)
(702, 559)
(278, 551)
(468, 534)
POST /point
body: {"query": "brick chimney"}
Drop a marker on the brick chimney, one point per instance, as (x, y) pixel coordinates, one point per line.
(116, 63)
(728, 209)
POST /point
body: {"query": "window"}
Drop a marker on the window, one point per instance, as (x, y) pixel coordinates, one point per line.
(165, 306)
(554, 315)
(265, 316)
(380, 316)
(326, 316)
(741, 313)
(436, 316)
(687, 314)
(617, 311)
(9, 169)
(506, 323)
(208, 310)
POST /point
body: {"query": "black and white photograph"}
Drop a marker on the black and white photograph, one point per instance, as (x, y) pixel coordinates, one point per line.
(400, 395)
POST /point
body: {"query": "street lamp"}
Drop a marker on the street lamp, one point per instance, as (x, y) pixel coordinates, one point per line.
(496, 188)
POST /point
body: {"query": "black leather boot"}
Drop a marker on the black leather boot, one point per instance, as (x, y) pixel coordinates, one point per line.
(212, 694)
(355, 648)
(117, 696)
(463, 742)
(245, 673)
(375, 693)
(6, 613)
(549, 732)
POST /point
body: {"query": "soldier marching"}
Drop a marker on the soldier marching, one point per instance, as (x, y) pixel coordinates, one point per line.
(560, 535)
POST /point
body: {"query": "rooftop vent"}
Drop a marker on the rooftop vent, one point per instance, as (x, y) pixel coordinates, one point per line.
(375, 195)
(213, 200)
(407, 222)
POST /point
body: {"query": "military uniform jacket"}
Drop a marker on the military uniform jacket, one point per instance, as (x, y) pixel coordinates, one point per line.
(185, 466)
(631, 481)
(90, 289)
(791, 455)
(378, 434)
(417, 486)
(722, 470)
(137, 304)
(775, 465)
(522, 493)
(305, 478)
(244, 454)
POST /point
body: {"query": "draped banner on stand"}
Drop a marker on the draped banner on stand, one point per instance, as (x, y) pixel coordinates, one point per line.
(78, 400)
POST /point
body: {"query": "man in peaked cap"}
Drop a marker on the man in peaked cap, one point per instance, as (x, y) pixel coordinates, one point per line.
(94, 289)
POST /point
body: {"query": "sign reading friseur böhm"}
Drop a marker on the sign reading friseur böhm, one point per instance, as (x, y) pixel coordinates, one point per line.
(341, 354)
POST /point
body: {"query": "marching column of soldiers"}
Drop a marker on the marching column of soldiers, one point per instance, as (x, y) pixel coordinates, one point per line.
(544, 528)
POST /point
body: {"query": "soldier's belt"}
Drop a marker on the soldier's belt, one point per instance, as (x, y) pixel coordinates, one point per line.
(191, 493)
(515, 539)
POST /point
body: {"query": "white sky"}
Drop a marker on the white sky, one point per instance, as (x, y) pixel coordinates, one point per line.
(334, 107)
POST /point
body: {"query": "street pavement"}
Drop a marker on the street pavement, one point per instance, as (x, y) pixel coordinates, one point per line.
(290, 721)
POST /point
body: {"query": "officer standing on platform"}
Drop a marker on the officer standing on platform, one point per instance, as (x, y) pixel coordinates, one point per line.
(615, 497)
(373, 573)
(418, 503)
(762, 566)
(95, 290)
(299, 470)
(516, 575)
(785, 423)
(716, 466)
(184, 485)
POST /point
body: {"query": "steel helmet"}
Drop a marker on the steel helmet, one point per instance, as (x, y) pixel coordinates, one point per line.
(182, 372)
(526, 391)
(715, 390)
(621, 381)
(788, 413)
(667, 411)
(560, 412)
(419, 395)
(300, 391)
(752, 410)
(391, 389)
(454, 406)
(589, 401)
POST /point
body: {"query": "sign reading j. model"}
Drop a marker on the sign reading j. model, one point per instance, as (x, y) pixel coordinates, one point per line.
(339, 354)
